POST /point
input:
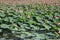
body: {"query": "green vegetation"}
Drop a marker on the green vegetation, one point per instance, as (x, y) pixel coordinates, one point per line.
(30, 22)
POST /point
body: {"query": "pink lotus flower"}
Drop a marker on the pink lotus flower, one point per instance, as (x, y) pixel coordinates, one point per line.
(59, 32)
(56, 17)
(59, 23)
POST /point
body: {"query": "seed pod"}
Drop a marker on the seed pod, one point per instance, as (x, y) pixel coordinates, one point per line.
(28, 16)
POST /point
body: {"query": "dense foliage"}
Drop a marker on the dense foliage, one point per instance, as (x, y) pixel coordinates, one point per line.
(30, 22)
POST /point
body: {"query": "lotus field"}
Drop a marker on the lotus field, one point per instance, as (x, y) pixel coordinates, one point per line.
(29, 22)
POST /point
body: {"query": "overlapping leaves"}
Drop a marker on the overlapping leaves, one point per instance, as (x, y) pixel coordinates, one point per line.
(34, 22)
